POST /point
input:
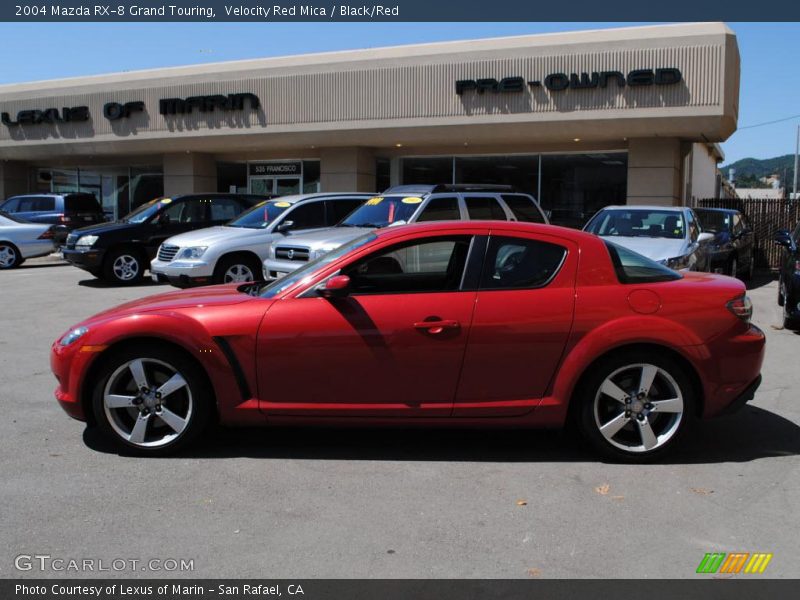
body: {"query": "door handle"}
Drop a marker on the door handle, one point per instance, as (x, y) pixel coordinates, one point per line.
(436, 327)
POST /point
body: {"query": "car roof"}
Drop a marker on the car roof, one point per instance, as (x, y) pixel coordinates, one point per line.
(422, 189)
(644, 207)
(719, 210)
(293, 199)
(496, 227)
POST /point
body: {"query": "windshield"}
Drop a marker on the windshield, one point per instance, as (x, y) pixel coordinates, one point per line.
(642, 222)
(273, 289)
(382, 211)
(145, 211)
(260, 216)
(714, 221)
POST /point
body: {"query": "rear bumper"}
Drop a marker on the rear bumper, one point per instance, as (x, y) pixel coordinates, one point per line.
(89, 259)
(748, 394)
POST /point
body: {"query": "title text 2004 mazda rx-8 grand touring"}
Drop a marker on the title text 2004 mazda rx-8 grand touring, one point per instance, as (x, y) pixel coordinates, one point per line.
(473, 324)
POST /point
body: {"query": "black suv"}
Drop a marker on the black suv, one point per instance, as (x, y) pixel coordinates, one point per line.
(65, 211)
(120, 252)
(789, 278)
(732, 251)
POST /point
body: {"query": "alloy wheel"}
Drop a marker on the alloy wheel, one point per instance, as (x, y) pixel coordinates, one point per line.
(147, 402)
(8, 256)
(238, 273)
(125, 267)
(638, 408)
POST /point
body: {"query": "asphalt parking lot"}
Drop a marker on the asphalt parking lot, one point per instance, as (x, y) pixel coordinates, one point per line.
(382, 504)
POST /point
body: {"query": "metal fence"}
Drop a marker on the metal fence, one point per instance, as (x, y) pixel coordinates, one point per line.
(766, 217)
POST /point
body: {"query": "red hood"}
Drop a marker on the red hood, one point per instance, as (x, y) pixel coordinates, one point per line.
(216, 295)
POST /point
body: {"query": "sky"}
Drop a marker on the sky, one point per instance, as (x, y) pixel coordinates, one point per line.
(770, 79)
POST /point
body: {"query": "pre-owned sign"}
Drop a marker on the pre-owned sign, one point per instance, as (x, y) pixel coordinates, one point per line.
(557, 82)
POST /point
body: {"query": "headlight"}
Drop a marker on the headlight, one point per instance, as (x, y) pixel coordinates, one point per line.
(86, 240)
(193, 252)
(73, 336)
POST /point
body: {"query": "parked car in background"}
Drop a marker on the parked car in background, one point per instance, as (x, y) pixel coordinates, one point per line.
(521, 325)
(20, 240)
(234, 252)
(732, 249)
(120, 252)
(65, 211)
(789, 277)
(668, 235)
(400, 205)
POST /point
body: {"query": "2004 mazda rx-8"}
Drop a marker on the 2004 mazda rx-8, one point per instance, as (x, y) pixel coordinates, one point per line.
(474, 324)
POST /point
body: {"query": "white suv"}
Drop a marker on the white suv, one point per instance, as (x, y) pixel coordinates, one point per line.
(234, 252)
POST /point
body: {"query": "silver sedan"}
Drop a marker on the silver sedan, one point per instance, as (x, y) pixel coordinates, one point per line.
(20, 240)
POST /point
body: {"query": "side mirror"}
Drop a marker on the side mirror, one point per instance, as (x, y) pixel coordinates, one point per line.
(337, 286)
(284, 226)
(705, 237)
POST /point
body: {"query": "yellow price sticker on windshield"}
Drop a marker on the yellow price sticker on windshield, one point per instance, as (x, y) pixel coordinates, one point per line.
(283, 204)
(412, 200)
(166, 200)
(374, 201)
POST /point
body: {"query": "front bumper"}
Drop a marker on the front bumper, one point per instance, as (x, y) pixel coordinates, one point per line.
(65, 363)
(84, 258)
(275, 269)
(182, 274)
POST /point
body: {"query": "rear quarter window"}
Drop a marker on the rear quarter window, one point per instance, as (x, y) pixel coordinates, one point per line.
(524, 208)
(81, 203)
(632, 267)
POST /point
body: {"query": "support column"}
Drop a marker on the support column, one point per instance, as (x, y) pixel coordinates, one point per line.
(655, 168)
(347, 170)
(13, 178)
(189, 173)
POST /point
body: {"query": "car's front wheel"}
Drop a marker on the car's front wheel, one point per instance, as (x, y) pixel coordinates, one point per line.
(124, 266)
(9, 256)
(237, 269)
(151, 401)
(634, 407)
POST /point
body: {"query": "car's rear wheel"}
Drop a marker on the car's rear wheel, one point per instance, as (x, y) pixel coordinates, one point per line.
(785, 300)
(150, 401)
(124, 266)
(10, 257)
(237, 269)
(634, 407)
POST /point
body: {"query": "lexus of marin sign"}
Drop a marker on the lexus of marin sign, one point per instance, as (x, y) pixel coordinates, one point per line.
(557, 82)
(114, 111)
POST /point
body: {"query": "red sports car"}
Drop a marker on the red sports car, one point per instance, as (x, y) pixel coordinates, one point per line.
(479, 324)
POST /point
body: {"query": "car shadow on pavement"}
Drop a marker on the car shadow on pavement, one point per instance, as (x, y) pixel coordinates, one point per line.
(751, 434)
(102, 283)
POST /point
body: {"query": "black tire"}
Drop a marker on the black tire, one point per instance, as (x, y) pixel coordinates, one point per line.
(733, 266)
(124, 266)
(242, 262)
(789, 322)
(751, 269)
(10, 257)
(627, 444)
(781, 299)
(192, 403)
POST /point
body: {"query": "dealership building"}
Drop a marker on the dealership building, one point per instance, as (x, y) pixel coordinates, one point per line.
(580, 120)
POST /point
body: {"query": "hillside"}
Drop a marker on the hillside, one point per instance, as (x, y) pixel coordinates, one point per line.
(754, 168)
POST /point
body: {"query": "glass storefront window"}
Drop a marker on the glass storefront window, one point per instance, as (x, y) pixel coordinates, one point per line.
(575, 186)
(311, 170)
(232, 177)
(520, 171)
(430, 170)
(382, 174)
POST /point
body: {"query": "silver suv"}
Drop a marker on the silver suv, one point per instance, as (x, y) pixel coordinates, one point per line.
(400, 205)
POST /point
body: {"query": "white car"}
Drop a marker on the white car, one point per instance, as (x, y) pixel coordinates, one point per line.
(20, 240)
(670, 235)
(234, 252)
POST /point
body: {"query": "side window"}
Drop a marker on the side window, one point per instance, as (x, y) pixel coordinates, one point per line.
(307, 216)
(514, 263)
(737, 227)
(341, 207)
(432, 265)
(225, 209)
(523, 207)
(484, 207)
(188, 211)
(440, 209)
(37, 204)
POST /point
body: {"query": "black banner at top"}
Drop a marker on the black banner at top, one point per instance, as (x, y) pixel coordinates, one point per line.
(282, 11)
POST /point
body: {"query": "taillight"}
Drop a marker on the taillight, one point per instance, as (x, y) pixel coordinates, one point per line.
(47, 235)
(741, 307)
(64, 219)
